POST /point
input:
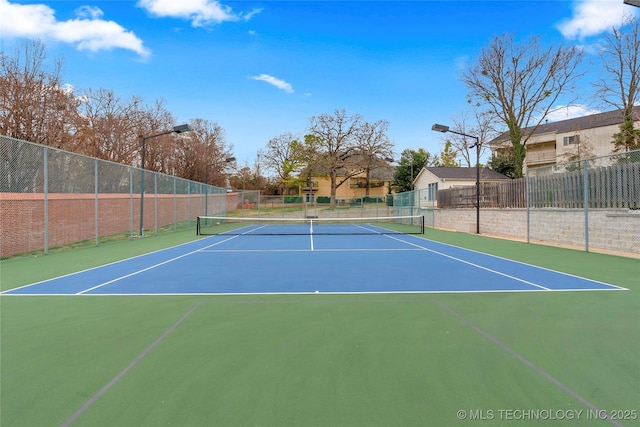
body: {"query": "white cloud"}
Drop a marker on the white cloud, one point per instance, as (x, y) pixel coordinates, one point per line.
(89, 12)
(593, 17)
(201, 12)
(87, 31)
(565, 112)
(280, 84)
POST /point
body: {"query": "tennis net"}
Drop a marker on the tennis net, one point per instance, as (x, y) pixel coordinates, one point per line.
(211, 225)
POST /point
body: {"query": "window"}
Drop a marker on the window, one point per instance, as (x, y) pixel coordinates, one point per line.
(432, 191)
(571, 140)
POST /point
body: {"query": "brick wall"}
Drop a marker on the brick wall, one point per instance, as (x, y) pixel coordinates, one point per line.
(72, 217)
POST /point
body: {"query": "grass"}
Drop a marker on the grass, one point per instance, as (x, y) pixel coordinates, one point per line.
(320, 360)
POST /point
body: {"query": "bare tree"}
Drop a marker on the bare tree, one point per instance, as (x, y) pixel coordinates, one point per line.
(374, 146)
(472, 122)
(204, 154)
(34, 104)
(336, 135)
(583, 149)
(620, 86)
(520, 83)
(105, 127)
(160, 152)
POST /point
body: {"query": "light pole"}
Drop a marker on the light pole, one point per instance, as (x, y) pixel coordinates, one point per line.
(227, 183)
(445, 129)
(143, 141)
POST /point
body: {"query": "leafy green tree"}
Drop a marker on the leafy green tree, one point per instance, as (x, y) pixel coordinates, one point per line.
(411, 162)
(629, 137)
(285, 154)
(448, 156)
(504, 164)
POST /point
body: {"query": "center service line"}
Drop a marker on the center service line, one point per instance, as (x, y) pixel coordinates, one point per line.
(526, 361)
(135, 361)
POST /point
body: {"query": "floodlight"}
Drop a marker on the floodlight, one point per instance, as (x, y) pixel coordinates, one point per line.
(181, 128)
(440, 128)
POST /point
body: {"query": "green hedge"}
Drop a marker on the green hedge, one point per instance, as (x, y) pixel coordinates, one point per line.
(293, 199)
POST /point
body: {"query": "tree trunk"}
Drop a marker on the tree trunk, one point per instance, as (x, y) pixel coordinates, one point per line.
(332, 202)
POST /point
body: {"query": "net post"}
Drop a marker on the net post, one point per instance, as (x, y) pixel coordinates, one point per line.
(422, 224)
(198, 226)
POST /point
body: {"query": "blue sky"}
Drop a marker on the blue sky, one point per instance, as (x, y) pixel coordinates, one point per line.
(263, 68)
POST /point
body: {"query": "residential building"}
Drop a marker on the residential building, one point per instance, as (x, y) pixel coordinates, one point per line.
(566, 140)
(355, 187)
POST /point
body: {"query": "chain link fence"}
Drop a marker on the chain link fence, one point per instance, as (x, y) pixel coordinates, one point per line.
(51, 198)
(592, 203)
(587, 204)
(252, 203)
(416, 202)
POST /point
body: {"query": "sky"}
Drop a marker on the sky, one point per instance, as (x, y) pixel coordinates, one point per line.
(263, 68)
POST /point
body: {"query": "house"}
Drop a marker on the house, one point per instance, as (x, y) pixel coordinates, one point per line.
(432, 179)
(566, 140)
(354, 188)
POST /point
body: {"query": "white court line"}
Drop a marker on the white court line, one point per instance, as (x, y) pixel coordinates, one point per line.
(311, 249)
(104, 265)
(473, 264)
(414, 292)
(153, 266)
(510, 260)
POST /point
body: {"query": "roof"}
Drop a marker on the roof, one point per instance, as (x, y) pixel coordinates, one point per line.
(468, 174)
(380, 170)
(579, 123)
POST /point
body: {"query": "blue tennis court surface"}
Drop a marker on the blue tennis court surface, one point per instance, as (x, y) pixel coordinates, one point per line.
(270, 264)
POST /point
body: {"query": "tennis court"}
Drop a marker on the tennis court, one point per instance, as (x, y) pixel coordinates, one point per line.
(270, 256)
(324, 324)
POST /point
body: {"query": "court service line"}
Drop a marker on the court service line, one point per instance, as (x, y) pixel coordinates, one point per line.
(313, 249)
(518, 279)
(530, 265)
(152, 266)
(526, 361)
(100, 266)
(135, 361)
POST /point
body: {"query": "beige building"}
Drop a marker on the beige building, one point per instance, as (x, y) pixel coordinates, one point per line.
(354, 187)
(565, 140)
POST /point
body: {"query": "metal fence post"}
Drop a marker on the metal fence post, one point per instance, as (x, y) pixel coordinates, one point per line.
(155, 203)
(131, 202)
(585, 200)
(97, 214)
(527, 189)
(46, 199)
